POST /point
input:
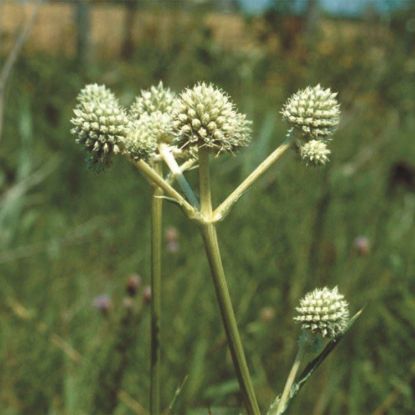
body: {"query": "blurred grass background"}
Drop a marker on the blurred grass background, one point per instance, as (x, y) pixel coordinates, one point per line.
(68, 234)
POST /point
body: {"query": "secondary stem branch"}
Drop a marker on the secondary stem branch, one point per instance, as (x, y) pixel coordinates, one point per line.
(158, 180)
(223, 209)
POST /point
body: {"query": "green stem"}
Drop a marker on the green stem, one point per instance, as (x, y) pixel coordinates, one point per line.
(210, 239)
(285, 397)
(159, 181)
(187, 165)
(223, 209)
(171, 162)
(156, 248)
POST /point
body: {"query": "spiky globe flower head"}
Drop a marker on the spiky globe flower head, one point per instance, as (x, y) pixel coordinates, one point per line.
(324, 312)
(95, 92)
(157, 98)
(204, 116)
(313, 111)
(100, 124)
(314, 153)
(146, 133)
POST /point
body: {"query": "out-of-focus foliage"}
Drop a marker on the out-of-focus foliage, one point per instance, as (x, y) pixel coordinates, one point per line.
(74, 233)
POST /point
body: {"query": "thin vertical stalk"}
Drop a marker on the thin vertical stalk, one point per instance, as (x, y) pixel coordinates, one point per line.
(11, 59)
(285, 397)
(210, 239)
(83, 23)
(156, 248)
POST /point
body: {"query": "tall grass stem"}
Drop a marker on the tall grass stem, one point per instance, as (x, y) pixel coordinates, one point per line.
(156, 250)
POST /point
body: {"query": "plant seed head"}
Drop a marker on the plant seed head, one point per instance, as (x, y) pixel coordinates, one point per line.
(314, 153)
(147, 295)
(157, 98)
(133, 284)
(324, 312)
(102, 303)
(95, 92)
(313, 111)
(145, 134)
(100, 124)
(362, 245)
(205, 116)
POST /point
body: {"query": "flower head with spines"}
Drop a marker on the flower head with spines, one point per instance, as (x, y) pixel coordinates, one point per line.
(204, 116)
(95, 93)
(314, 153)
(156, 99)
(146, 133)
(100, 124)
(324, 312)
(313, 111)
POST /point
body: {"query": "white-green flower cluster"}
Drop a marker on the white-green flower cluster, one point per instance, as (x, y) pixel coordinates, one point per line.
(315, 113)
(151, 122)
(146, 133)
(156, 99)
(314, 153)
(95, 93)
(204, 116)
(324, 312)
(100, 124)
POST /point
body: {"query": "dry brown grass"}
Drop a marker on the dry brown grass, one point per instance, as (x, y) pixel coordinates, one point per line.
(55, 29)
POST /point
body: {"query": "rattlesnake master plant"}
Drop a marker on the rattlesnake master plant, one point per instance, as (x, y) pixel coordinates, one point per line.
(314, 153)
(146, 133)
(314, 114)
(156, 99)
(204, 116)
(201, 116)
(313, 111)
(100, 124)
(324, 312)
(95, 93)
(201, 121)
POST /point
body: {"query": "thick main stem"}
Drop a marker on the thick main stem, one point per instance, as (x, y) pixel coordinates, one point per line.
(210, 239)
(156, 248)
